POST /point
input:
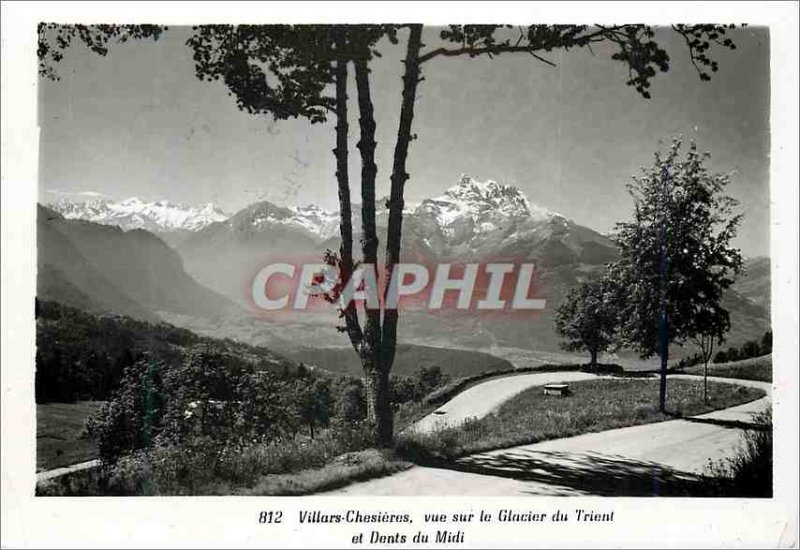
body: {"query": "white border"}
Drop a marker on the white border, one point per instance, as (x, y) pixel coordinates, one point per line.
(230, 521)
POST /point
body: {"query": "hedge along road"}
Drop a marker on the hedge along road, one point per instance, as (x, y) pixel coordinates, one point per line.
(664, 458)
(480, 400)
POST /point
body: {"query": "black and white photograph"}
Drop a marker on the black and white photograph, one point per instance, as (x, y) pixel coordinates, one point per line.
(360, 257)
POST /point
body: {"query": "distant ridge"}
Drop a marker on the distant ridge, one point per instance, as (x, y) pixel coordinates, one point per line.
(101, 268)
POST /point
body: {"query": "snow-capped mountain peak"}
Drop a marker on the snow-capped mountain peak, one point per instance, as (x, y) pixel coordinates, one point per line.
(134, 213)
(484, 206)
(263, 215)
(317, 220)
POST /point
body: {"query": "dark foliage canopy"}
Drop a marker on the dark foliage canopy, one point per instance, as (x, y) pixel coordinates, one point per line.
(54, 38)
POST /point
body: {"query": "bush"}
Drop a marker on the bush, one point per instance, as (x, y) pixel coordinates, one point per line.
(209, 394)
(766, 342)
(748, 350)
(407, 389)
(749, 472)
(357, 466)
(403, 389)
(203, 465)
(133, 418)
(350, 401)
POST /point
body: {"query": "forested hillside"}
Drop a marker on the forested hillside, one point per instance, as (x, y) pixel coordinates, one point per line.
(82, 356)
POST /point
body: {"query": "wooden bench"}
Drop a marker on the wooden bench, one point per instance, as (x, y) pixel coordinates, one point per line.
(556, 389)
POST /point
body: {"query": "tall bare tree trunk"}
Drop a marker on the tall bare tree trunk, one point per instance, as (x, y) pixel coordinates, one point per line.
(350, 313)
(371, 352)
(664, 355)
(594, 360)
(707, 350)
(394, 232)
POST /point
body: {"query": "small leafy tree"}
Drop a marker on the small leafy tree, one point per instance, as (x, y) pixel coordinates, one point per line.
(207, 395)
(260, 415)
(751, 349)
(711, 324)
(133, 417)
(676, 255)
(350, 404)
(721, 356)
(403, 389)
(766, 343)
(587, 318)
(430, 378)
(322, 409)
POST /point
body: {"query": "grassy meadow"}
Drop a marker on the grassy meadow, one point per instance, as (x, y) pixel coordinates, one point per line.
(61, 434)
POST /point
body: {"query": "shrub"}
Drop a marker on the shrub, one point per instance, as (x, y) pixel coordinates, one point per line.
(202, 465)
(721, 357)
(403, 389)
(133, 418)
(749, 472)
(429, 379)
(350, 402)
(750, 349)
(766, 342)
(211, 394)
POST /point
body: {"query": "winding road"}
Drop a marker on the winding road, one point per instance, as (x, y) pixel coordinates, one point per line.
(664, 458)
(480, 400)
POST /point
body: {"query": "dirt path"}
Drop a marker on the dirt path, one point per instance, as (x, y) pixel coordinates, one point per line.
(664, 458)
(50, 474)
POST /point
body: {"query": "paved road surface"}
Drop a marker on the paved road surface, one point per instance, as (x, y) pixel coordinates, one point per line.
(654, 459)
(480, 400)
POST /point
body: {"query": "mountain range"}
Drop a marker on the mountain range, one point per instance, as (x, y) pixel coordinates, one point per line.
(470, 221)
(171, 221)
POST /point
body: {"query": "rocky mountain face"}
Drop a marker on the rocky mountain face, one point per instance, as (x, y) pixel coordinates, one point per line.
(481, 220)
(103, 268)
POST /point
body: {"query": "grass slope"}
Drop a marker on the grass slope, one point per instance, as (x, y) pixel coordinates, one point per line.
(758, 368)
(60, 439)
(344, 470)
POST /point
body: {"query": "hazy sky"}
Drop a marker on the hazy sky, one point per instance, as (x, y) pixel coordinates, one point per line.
(138, 123)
